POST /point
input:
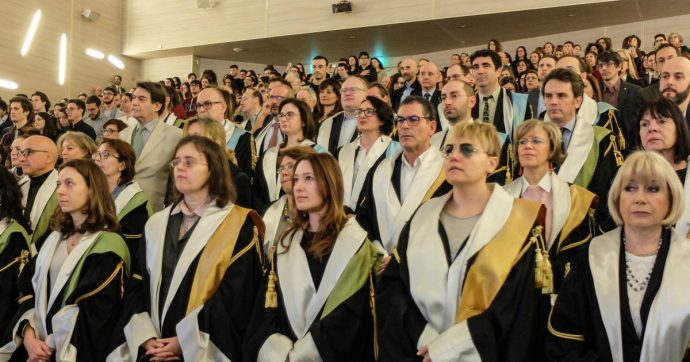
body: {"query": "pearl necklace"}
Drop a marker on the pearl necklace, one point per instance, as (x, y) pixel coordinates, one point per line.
(633, 282)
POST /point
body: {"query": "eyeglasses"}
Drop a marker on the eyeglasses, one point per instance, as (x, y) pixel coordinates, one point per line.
(367, 112)
(351, 90)
(28, 152)
(108, 93)
(286, 167)
(286, 116)
(108, 131)
(455, 77)
(70, 109)
(276, 98)
(206, 105)
(412, 120)
(187, 162)
(466, 149)
(535, 141)
(98, 156)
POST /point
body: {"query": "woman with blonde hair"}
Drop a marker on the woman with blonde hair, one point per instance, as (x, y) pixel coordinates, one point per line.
(75, 145)
(317, 303)
(570, 209)
(467, 278)
(625, 297)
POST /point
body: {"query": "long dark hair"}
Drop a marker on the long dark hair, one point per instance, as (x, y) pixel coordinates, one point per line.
(663, 107)
(50, 130)
(308, 125)
(11, 200)
(99, 209)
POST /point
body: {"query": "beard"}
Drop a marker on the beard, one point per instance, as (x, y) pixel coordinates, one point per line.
(678, 97)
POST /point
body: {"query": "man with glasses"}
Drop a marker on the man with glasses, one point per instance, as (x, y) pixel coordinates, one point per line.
(368, 71)
(75, 114)
(622, 95)
(398, 185)
(22, 120)
(154, 141)
(37, 156)
(110, 107)
(457, 100)
(211, 103)
(341, 128)
(268, 132)
(95, 118)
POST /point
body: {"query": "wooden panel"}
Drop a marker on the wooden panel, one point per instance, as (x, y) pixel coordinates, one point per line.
(159, 69)
(39, 69)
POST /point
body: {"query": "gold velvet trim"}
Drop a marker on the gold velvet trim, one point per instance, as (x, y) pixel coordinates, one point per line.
(218, 255)
(434, 186)
(574, 337)
(580, 206)
(24, 298)
(496, 259)
(118, 270)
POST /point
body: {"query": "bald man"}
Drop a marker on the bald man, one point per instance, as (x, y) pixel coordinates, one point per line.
(211, 103)
(408, 69)
(37, 156)
(674, 83)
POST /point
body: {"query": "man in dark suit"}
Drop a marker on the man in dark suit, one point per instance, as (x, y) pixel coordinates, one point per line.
(623, 95)
(535, 97)
(674, 83)
(429, 76)
(412, 87)
(663, 53)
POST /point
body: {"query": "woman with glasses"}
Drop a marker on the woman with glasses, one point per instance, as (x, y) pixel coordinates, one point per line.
(626, 296)
(196, 287)
(298, 129)
(466, 279)
(75, 294)
(75, 145)
(116, 159)
(374, 124)
(14, 250)
(112, 128)
(570, 209)
(316, 303)
(282, 211)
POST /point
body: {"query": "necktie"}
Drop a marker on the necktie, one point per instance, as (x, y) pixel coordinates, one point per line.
(485, 112)
(138, 140)
(564, 133)
(274, 137)
(427, 96)
(537, 194)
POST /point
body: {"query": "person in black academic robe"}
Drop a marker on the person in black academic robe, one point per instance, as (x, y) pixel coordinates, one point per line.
(194, 287)
(311, 306)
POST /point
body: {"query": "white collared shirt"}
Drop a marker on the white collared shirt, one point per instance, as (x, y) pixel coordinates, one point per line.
(408, 173)
(347, 129)
(544, 183)
(492, 104)
(570, 126)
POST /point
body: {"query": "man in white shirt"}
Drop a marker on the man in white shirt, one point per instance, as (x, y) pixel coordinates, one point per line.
(341, 128)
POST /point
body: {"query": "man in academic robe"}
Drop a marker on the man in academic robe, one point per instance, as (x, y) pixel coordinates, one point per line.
(153, 141)
(202, 291)
(266, 129)
(495, 105)
(38, 156)
(398, 185)
(213, 106)
(484, 303)
(457, 100)
(609, 116)
(412, 87)
(592, 154)
(341, 128)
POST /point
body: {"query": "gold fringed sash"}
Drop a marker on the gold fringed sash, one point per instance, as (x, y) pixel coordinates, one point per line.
(218, 254)
(495, 261)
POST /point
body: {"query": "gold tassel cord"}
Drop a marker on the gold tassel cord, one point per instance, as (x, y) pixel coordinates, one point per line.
(547, 286)
(271, 294)
(539, 260)
(372, 304)
(509, 166)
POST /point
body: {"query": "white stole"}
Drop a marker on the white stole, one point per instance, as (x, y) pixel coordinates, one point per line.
(560, 192)
(125, 195)
(302, 300)
(508, 117)
(45, 299)
(667, 331)
(435, 286)
(155, 242)
(229, 128)
(272, 218)
(348, 160)
(581, 140)
(391, 215)
(45, 192)
(324, 135)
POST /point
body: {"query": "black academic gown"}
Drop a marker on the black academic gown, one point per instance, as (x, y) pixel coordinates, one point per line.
(244, 153)
(509, 329)
(223, 318)
(13, 258)
(579, 329)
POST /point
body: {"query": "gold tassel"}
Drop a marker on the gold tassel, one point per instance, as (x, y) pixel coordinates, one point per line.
(23, 260)
(271, 294)
(539, 259)
(372, 304)
(547, 286)
(509, 166)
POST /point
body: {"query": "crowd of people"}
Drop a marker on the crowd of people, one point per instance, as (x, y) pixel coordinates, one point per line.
(498, 208)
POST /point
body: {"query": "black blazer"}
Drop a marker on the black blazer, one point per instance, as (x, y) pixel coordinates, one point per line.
(334, 137)
(397, 95)
(630, 103)
(533, 101)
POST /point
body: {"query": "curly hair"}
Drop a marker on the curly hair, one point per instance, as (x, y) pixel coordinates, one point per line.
(11, 200)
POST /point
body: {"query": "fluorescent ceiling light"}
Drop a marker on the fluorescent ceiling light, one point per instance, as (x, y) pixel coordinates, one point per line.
(95, 53)
(8, 84)
(32, 31)
(63, 59)
(116, 62)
